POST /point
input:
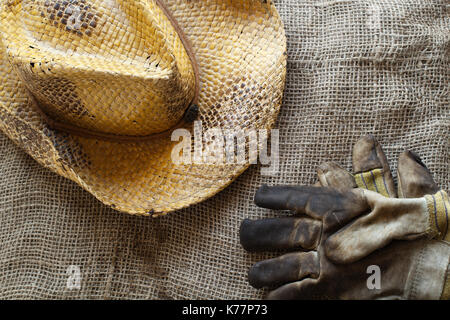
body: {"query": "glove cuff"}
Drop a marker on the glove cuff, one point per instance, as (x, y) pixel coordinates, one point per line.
(438, 213)
(373, 180)
(428, 277)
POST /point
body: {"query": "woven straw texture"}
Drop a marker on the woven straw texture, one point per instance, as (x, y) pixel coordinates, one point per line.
(354, 67)
(240, 48)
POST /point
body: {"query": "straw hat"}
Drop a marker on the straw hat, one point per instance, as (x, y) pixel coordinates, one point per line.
(91, 89)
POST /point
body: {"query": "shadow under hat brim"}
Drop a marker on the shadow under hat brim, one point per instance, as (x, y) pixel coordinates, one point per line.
(240, 47)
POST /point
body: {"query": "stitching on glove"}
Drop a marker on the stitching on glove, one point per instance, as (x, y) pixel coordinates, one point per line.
(417, 276)
(446, 290)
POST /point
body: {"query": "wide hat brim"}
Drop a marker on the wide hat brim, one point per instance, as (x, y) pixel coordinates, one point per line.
(241, 51)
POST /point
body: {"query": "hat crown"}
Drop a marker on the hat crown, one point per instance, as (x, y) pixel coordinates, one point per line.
(115, 67)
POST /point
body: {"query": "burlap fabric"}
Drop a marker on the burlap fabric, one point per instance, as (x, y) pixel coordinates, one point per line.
(354, 67)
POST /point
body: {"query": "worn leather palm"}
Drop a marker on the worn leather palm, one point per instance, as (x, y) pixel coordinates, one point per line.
(341, 230)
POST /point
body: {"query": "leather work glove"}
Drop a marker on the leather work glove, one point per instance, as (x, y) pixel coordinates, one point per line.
(340, 232)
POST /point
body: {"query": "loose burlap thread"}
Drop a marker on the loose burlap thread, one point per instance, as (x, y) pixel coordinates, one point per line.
(354, 67)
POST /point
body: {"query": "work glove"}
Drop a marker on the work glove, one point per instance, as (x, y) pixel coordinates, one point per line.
(342, 233)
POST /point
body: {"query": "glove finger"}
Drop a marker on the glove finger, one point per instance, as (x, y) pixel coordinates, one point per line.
(332, 175)
(316, 202)
(287, 268)
(414, 178)
(305, 289)
(415, 181)
(280, 234)
(371, 168)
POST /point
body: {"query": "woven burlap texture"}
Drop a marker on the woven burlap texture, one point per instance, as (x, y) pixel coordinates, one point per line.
(354, 67)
